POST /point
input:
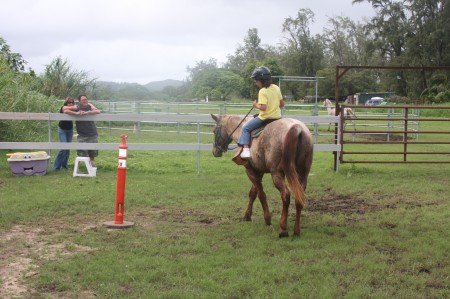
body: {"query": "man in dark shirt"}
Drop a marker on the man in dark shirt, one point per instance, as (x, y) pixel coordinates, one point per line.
(87, 130)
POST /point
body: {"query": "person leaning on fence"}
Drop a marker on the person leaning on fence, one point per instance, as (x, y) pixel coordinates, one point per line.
(269, 102)
(86, 130)
(65, 134)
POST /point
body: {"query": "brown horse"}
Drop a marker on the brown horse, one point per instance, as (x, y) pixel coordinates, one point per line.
(284, 149)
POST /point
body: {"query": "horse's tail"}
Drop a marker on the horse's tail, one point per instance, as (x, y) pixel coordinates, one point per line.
(290, 157)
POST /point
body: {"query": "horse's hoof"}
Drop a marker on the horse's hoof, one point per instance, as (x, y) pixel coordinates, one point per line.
(268, 221)
(297, 235)
(283, 234)
(247, 218)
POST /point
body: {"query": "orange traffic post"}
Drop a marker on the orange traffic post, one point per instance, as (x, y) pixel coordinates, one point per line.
(120, 189)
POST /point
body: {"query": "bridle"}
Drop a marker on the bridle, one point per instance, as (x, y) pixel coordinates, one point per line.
(222, 143)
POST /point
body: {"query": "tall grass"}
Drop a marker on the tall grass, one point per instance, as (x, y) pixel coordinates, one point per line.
(18, 94)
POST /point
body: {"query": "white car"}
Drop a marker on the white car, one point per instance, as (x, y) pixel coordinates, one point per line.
(375, 102)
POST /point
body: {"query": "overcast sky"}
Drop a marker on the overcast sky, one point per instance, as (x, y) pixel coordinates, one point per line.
(145, 40)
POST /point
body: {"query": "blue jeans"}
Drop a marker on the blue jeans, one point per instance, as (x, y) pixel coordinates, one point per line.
(247, 129)
(62, 158)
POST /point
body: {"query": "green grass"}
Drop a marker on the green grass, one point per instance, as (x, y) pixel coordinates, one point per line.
(370, 231)
(378, 231)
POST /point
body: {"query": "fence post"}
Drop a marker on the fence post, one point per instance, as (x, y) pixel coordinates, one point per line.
(198, 151)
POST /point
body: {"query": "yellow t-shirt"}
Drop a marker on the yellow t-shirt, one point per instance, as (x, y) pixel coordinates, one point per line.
(270, 97)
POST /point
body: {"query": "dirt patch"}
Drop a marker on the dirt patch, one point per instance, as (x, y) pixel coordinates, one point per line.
(335, 203)
(20, 246)
(14, 261)
(181, 216)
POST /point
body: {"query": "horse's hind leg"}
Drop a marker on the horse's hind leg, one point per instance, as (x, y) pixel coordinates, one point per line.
(297, 226)
(303, 176)
(279, 182)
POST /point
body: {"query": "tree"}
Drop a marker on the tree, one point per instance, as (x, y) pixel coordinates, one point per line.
(391, 29)
(345, 42)
(61, 80)
(14, 60)
(410, 32)
(439, 92)
(302, 53)
(429, 43)
(251, 50)
(353, 82)
(249, 89)
(201, 66)
(216, 84)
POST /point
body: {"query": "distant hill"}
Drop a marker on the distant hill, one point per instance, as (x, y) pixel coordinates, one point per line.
(114, 86)
(152, 86)
(160, 85)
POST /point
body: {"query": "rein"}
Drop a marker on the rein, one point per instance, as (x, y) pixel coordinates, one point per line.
(224, 147)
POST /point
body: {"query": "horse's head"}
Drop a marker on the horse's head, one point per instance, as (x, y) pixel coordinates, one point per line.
(349, 113)
(221, 137)
(327, 103)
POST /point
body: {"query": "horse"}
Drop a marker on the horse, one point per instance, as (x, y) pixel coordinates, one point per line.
(284, 149)
(348, 112)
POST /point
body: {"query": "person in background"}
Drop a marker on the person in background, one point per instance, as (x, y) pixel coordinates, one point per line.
(269, 101)
(65, 134)
(86, 130)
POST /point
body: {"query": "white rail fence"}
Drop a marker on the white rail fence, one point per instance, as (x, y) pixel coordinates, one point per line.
(137, 118)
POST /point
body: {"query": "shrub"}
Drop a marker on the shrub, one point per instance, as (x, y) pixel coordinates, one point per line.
(17, 94)
(442, 97)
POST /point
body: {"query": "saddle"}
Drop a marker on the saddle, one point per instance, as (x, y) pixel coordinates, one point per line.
(254, 134)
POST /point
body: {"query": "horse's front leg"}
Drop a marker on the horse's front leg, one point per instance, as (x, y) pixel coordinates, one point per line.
(251, 199)
(278, 181)
(263, 200)
(257, 190)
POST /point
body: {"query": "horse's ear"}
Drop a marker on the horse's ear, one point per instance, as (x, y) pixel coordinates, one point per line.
(216, 119)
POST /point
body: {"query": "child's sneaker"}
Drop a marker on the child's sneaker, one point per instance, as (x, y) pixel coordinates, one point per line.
(245, 153)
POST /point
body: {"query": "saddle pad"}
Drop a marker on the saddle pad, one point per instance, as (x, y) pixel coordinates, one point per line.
(257, 132)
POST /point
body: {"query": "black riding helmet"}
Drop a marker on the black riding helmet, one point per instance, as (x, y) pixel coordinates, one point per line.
(261, 73)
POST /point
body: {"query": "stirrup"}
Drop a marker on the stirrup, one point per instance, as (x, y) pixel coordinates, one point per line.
(237, 157)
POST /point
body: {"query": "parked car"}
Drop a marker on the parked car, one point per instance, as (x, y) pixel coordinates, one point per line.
(376, 101)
